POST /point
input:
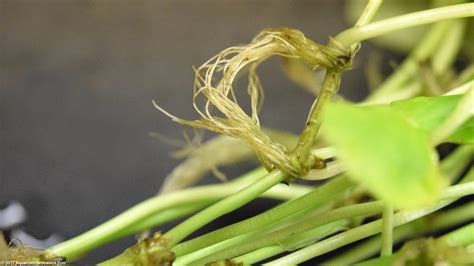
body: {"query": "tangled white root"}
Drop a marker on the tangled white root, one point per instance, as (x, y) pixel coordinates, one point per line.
(214, 82)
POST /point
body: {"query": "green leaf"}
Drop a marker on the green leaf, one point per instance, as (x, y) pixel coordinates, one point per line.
(430, 112)
(385, 152)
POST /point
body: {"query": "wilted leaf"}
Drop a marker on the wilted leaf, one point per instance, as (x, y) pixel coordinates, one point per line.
(385, 152)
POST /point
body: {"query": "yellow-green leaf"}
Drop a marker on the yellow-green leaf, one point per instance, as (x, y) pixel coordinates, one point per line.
(385, 152)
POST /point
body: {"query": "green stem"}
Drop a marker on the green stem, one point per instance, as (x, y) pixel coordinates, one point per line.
(409, 67)
(361, 232)
(465, 76)
(461, 190)
(332, 80)
(368, 13)
(461, 237)
(235, 241)
(387, 231)
(161, 208)
(319, 196)
(442, 43)
(461, 89)
(293, 242)
(224, 206)
(191, 258)
(164, 217)
(111, 229)
(432, 223)
(277, 236)
(450, 47)
(358, 34)
(307, 138)
(279, 192)
(455, 163)
(440, 246)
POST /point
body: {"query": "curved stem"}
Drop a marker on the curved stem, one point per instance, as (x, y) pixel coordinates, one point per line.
(332, 80)
(358, 34)
(142, 215)
(163, 208)
(310, 201)
(163, 217)
(368, 13)
(224, 206)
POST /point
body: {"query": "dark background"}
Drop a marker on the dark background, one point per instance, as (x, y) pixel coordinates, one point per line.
(76, 83)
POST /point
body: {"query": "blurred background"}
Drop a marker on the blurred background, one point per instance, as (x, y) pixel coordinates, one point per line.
(77, 80)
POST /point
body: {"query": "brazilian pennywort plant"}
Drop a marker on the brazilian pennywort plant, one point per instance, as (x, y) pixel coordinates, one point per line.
(385, 183)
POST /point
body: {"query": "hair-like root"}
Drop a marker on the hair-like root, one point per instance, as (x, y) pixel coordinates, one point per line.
(214, 82)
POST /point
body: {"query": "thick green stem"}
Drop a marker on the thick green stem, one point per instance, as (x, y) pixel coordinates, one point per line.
(456, 162)
(452, 166)
(460, 190)
(319, 196)
(441, 247)
(277, 192)
(332, 80)
(164, 217)
(302, 151)
(358, 34)
(224, 206)
(160, 209)
(362, 232)
(426, 225)
(291, 243)
(112, 229)
(308, 223)
(387, 231)
(245, 238)
(461, 237)
(206, 251)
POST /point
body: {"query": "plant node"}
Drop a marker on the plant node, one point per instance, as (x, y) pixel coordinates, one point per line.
(148, 251)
